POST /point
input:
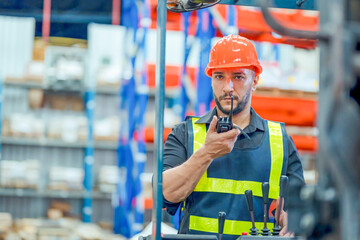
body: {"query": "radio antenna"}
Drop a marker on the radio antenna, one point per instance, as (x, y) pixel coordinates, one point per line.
(231, 110)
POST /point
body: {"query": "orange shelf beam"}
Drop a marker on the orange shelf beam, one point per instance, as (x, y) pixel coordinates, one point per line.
(150, 134)
(172, 75)
(305, 143)
(291, 111)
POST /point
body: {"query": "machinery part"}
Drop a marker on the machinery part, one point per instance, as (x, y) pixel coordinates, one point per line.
(250, 203)
(188, 237)
(246, 237)
(283, 186)
(182, 237)
(282, 30)
(221, 222)
(179, 6)
(233, 51)
(265, 191)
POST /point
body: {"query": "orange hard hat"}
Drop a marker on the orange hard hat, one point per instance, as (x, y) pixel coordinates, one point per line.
(233, 51)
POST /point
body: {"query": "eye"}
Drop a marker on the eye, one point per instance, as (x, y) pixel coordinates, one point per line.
(239, 77)
(218, 76)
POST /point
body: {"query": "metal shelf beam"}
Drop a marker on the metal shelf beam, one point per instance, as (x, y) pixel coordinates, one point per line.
(60, 17)
(22, 192)
(99, 89)
(58, 143)
(295, 4)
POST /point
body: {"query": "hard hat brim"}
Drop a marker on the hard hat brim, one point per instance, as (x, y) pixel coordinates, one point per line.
(208, 70)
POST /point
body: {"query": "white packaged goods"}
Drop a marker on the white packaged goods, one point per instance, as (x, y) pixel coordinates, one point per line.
(68, 129)
(24, 125)
(108, 178)
(107, 129)
(19, 174)
(59, 229)
(5, 221)
(64, 67)
(66, 178)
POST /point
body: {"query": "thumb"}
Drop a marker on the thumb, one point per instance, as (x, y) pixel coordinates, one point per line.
(212, 127)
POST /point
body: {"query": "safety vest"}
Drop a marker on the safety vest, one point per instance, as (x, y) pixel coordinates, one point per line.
(223, 184)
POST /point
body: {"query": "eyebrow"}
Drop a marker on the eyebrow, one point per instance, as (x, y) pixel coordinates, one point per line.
(236, 73)
(232, 73)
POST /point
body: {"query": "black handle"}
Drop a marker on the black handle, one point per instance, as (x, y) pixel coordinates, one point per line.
(265, 192)
(283, 185)
(221, 220)
(249, 200)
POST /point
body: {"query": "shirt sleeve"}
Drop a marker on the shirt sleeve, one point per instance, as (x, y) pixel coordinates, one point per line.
(175, 154)
(294, 169)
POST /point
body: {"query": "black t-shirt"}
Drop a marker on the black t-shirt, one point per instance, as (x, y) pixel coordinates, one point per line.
(175, 151)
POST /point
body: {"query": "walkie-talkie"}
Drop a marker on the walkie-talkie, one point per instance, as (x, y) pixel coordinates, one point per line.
(225, 124)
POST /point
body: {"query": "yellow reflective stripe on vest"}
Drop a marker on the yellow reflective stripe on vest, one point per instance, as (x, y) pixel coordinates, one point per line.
(231, 227)
(199, 131)
(277, 154)
(238, 187)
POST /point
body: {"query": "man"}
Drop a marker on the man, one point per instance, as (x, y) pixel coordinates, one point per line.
(207, 172)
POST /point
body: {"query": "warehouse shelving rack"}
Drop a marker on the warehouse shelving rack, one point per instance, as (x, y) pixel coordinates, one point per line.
(45, 147)
(108, 94)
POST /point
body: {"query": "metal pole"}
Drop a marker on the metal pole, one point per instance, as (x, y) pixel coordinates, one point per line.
(89, 155)
(46, 20)
(159, 117)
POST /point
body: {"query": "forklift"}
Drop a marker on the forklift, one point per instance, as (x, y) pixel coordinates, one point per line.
(331, 208)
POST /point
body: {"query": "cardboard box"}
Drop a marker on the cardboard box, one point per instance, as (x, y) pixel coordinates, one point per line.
(25, 125)
(19, 174)
(5, 221)
(36, 98)
(66, 178)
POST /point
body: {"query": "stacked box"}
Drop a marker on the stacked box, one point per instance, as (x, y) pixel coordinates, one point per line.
(5, 224)
(66, 178)
(107, 129)
(24, 125)
(19, 174)
(68, 129)
(60, 229)
(108, 178)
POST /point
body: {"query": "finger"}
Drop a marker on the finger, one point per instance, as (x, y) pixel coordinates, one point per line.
(233, 133)
(283, 231)
(212, 127)
(289, 234)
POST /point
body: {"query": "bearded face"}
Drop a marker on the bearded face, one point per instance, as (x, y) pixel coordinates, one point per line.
(239, 106)
(236, 82)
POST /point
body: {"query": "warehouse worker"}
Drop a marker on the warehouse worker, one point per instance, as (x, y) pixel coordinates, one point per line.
(207, 172)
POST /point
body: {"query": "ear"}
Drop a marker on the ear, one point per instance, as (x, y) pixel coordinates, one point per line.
(255, 83)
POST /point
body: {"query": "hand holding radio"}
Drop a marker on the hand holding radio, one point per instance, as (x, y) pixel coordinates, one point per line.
(225, 124)
(217, 145)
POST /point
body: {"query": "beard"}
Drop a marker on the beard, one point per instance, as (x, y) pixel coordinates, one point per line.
(239, 107)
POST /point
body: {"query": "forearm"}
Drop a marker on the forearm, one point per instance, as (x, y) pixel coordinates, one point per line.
(180, 181)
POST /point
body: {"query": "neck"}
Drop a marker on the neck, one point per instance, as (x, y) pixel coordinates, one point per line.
(241, 119)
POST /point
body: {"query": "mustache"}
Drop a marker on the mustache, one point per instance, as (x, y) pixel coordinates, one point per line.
(227, 95)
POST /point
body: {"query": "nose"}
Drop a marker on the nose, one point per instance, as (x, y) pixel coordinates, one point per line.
(229, 85)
